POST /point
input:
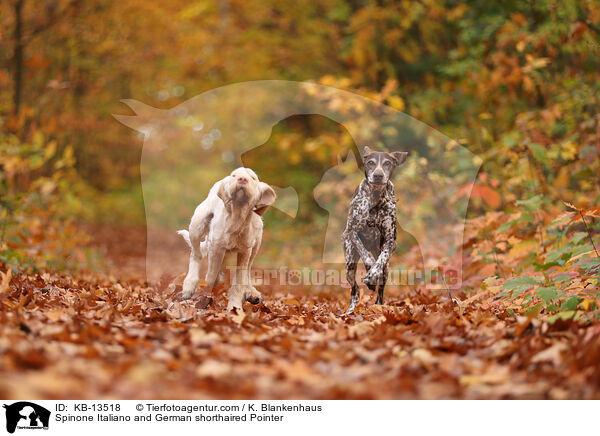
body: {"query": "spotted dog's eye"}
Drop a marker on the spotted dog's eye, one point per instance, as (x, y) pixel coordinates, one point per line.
(371, 163)
(387, 164)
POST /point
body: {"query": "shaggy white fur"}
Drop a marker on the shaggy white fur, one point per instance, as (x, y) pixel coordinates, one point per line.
(228, 220)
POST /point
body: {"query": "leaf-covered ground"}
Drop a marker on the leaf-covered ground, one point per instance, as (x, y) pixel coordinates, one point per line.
(94, 337)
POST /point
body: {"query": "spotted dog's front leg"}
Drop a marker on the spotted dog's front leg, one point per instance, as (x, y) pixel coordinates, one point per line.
(374, 275)
(359, 247)
(357, 221)
(351, 265)
(377, 275)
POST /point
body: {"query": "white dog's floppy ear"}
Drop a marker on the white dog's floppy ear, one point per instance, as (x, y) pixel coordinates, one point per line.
(267, 198)
(223, 192)
(399, 156)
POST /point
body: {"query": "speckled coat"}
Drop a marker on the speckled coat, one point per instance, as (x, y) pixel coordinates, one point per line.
(370, 235)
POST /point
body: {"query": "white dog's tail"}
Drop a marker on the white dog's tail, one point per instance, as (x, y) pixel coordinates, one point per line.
(186, 236)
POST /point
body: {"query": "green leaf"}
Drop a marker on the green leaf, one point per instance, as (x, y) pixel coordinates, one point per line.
(571, 303)
(522, 283)
(526, 217)
(539, 152)
(505, 226)
(559, 255)
(531, 204)
(592, 266)
(561, 315)
(580, 249)
(534, 310)
(510, 139)
(578, 237)
(527, 300)
(547, 293)
(545, 266)
(562, 278)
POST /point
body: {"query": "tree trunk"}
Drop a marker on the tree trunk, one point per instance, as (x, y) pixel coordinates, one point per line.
(18, 77)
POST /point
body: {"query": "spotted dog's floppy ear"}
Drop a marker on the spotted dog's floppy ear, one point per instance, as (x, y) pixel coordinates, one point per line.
(267, 198)
(399, 156)
(367, 152)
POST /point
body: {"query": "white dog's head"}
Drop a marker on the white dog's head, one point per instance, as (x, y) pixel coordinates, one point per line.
(242, 188)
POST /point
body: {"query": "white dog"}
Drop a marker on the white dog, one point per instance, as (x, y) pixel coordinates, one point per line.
(229, 220)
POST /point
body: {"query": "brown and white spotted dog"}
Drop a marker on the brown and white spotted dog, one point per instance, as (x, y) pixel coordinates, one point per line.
(370, 232)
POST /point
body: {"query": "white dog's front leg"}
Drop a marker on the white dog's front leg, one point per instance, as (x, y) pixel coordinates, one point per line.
(241, 289)
(193, 276)
(215, 261)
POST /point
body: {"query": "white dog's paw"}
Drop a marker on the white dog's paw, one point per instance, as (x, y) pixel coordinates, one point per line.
(188, 290)
(253, 296)
(186, 295)
(240, 293)
(235, 297)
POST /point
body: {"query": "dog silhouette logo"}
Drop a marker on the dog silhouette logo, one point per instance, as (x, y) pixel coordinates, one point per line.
(26, 415)
(263, 125)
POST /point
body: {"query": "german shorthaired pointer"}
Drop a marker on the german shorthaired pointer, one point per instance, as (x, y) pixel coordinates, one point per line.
(370, 232)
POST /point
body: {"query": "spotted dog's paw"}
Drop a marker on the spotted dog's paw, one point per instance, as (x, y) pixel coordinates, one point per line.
(369, 262)
(372, 277)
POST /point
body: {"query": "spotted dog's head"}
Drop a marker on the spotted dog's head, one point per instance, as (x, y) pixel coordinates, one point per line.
(379, 165)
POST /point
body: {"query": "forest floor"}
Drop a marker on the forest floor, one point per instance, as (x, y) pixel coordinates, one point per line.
(95, 335)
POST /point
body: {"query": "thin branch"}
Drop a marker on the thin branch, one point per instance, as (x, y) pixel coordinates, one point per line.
(487, 234)
(589, 233)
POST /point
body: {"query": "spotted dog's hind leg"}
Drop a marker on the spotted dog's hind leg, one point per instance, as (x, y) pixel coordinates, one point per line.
(351, 266)
(381, 285)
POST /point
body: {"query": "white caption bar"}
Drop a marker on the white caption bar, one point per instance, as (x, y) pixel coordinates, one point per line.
(294, 417)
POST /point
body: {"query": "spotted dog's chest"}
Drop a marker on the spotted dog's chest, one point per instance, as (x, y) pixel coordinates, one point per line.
(372, 218)
(376, 216)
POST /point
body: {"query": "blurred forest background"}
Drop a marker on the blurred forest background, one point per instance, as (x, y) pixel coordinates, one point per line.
(514, 82)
